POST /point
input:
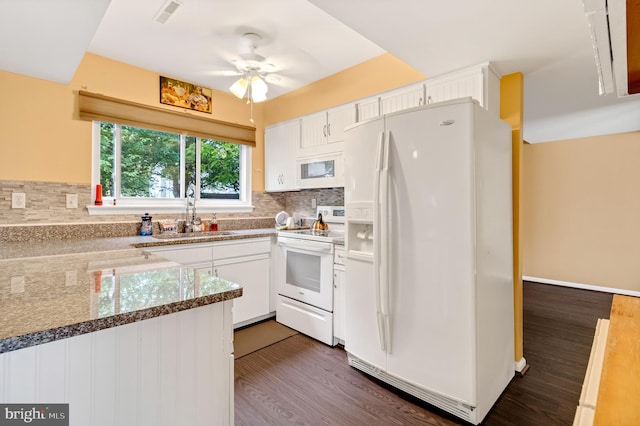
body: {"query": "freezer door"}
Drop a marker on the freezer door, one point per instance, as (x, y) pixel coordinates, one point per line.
(431, 261)
(361, 324)
(362, 334)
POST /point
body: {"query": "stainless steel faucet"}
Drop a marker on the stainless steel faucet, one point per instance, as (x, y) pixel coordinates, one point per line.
(192, 222)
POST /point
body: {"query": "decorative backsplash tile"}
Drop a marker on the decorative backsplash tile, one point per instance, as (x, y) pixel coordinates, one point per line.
(46, 216)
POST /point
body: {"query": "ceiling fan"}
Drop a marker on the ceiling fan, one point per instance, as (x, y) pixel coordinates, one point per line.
(254, 70)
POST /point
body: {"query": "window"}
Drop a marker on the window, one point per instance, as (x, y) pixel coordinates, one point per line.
(143, 169)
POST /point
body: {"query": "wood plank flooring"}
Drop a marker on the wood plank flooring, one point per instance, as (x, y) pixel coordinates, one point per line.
(303, 382)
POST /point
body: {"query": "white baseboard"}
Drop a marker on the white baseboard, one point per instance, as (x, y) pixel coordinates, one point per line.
(583, 286)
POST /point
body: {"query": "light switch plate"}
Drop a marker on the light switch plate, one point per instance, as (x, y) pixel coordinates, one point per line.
(18, 200)
(72, 201)
(17, 284)
(70, 278)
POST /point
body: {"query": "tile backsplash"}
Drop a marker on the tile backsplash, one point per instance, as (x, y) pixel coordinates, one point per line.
(46, 204)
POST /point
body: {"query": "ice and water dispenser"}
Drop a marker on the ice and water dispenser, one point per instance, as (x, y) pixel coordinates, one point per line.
(359, 229)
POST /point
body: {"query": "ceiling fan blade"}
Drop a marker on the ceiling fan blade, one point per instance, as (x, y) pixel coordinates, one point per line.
(225, 73)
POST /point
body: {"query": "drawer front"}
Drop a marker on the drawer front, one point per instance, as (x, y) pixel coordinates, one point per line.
(239, 248)
(306, 319)
(184, 253)
(339, 255)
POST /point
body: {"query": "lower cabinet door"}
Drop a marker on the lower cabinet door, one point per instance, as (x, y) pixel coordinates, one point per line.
(252, 273)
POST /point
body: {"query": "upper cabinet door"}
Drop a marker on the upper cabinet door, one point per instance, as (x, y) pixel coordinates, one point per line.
(337, 119)
(456, 85)
(368, 108)
(281, 143)
(314, 131)
(403, 98)
(478, 82)
(323, 131)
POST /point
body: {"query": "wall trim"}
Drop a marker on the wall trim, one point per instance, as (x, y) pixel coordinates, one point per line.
(583, 286)
(521, 366)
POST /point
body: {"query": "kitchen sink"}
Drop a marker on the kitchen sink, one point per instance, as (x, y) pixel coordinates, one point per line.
(194, 235)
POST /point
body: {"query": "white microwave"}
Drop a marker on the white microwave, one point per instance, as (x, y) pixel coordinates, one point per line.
(320, 171)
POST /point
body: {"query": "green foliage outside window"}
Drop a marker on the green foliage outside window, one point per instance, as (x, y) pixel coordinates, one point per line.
(150, 164)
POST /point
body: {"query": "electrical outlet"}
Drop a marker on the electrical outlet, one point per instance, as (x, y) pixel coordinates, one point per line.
(70, 278)
(313, 203)
(18, 200)
(72, 201)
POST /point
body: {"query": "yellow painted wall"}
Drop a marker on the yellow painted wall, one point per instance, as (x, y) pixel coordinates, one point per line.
(41, 140)
(376, 75)
(581, 211)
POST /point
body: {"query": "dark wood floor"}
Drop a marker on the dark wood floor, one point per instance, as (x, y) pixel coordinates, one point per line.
(301, 381)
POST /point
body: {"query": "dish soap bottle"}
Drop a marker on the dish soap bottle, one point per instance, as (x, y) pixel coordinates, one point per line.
(213, 226)
(146, 226)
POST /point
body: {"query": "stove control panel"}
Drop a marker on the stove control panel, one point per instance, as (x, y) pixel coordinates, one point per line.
(331, 214)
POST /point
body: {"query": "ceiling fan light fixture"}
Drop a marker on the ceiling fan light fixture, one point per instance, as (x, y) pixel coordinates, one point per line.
(239, 88)
(259, 89)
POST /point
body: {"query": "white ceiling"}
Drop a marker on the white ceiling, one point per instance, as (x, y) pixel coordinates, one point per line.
(547, 40)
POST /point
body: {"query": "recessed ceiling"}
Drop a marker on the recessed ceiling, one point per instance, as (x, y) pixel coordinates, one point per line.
(547, 40)
(200, 41)
(47, 39)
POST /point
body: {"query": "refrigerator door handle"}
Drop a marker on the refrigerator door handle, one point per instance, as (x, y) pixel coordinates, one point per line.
(376, 239)
(384, 243)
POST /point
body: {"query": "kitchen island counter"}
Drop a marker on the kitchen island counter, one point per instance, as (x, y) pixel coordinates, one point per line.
(56, 297)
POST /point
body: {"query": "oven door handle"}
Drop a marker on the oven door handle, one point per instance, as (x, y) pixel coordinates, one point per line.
(305, 245)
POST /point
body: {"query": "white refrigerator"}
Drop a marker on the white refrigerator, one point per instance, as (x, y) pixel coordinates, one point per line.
(429, 268)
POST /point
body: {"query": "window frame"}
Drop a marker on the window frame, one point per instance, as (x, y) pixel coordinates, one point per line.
(132, 205)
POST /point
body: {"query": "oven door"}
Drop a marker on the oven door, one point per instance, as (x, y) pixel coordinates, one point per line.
(308, 271)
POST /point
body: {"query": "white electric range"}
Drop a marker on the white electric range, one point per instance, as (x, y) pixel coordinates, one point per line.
(305, 291)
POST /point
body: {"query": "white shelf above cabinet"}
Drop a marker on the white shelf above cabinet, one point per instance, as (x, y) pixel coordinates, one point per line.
(403, 98)
(479, 82)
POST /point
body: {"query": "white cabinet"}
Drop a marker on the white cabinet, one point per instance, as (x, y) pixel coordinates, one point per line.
(281, 142)
(402, 98)
(245, 262)
(322, 132)
(278, 272)
(174, 369)
(338, 294)
(479, 82)
(368, 108)
(186, 254)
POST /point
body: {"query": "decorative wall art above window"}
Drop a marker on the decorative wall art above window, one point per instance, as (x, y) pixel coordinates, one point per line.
(185, 95)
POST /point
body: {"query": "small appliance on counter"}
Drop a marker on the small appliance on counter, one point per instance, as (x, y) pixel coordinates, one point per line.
(281, 220)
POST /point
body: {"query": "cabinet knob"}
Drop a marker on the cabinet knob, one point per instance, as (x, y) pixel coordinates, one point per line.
(324, 130)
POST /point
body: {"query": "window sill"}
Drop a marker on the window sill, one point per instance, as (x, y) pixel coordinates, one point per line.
(164, 209)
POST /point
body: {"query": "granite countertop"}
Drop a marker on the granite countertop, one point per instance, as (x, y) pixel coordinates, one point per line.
(15, 250)
(51, 290)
